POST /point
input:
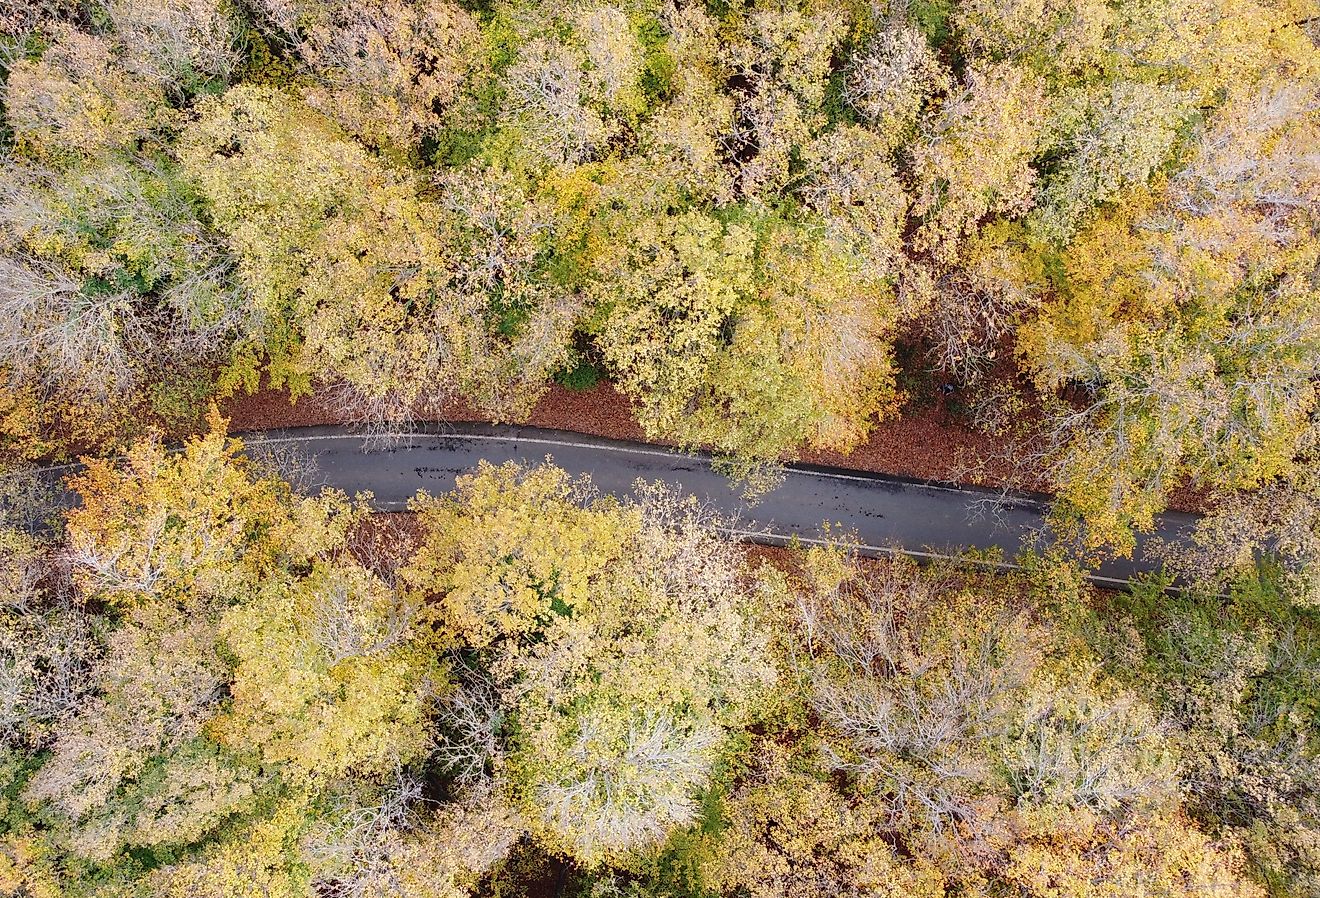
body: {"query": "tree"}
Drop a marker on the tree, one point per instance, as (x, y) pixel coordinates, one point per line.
(47, 644)
(890, 79)
(502, 239)
(972, 311)
(1235, 678)
(170, 541)
(791, 835)
(131, 767)
(619, 645)
(20, 18)
(401, 851)
(362, 290)
(782, 54)
(979, 735)
(509, 544)
(272, 170)
(179, 45)
(1161, 855)
(1055, 38)
(332, 676)
(820, 337)
(573, 87)
(1110, 140)
(77, 99)
(116, 294)
(615, 56)
(1280, 521)
(858, 194)
(392, 69)
(751, 337)
(1195, 337)
(249, 683)
(255, 861)
(193, 527)
(684, 137)
(677, 293)
(973, 159)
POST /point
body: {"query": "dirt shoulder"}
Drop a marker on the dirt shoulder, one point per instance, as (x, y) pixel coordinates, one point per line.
(925, 443)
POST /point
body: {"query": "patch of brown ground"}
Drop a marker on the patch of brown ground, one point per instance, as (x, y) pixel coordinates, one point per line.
(599, 411)
(931, 444)
(785, 560)
(925, 443)
(384, 541)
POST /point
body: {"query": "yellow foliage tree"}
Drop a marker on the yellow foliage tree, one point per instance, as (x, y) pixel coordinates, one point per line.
(333, 675)
(77, 99)
(355, 274)
(618, 646)
(1190, 316)
(752, 343)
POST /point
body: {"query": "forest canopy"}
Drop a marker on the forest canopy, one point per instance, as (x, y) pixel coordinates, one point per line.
(759, 221)
(217, 685)
(774, 227)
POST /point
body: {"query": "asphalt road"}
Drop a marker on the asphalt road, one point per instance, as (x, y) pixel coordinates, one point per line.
(884, 514)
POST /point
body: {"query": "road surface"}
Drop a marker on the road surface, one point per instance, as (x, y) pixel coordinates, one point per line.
(883, 513)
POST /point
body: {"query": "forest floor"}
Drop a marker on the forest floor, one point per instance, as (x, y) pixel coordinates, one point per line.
(928, 440)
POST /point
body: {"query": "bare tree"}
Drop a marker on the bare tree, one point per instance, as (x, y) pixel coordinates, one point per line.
(384, 414)
(973, 313)
(468, 726)
(892, 76)
(175, 42)
(918, 695)
(401, 845)
(285, 461)
(547, 99)
(633, 796)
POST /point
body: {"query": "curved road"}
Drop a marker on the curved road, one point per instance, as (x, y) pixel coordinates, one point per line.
(886, 513)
